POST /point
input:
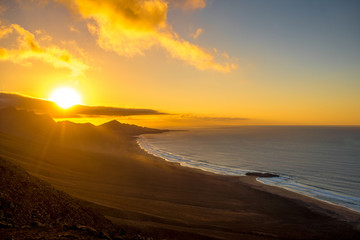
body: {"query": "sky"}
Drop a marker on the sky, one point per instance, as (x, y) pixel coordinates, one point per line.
(196, 62)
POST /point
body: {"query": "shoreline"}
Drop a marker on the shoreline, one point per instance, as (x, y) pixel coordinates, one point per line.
(311, 197)
(328, 208)
(324, 207)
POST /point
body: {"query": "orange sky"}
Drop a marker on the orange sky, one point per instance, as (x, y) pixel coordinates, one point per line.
(203, 62)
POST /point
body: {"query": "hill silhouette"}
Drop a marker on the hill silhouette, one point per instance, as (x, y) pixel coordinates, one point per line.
(41, 128)
(27, 124)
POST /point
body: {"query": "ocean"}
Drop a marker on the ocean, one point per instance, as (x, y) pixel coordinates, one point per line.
(318, 161)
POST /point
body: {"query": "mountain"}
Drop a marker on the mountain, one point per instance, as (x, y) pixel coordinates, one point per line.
(29, 124)
(23, 123)
(128, 129)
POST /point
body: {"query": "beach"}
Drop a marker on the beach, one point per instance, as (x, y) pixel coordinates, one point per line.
(145, 194)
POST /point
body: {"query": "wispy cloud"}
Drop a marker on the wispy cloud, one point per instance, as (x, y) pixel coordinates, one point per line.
(27, 48)
(48, 107)
(211, 118)
(188, 4)
(188, 120)
(130, 27)
(197, 33)
(73, 29)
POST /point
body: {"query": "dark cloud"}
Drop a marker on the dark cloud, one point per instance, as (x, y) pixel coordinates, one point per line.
(25, 102)
(113, 111)
(48, 107)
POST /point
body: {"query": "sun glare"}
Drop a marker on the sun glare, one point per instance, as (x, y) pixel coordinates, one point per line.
(65, 97)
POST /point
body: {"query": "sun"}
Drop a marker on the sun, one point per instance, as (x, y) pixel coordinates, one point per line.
(65, 97)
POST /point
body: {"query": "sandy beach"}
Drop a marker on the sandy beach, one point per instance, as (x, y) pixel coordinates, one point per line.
(145, 194)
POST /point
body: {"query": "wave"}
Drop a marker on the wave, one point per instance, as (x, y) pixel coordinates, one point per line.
(312, 191)
(186, 161)
(286, 182)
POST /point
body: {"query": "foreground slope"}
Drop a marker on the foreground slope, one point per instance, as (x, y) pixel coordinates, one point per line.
(31, 208)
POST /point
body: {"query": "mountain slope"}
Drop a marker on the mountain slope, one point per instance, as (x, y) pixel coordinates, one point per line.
(127, 129)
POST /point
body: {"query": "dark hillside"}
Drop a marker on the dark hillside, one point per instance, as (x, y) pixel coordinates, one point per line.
(31, 209)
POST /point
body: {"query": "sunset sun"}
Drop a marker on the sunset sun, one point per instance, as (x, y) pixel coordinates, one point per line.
(65, 97)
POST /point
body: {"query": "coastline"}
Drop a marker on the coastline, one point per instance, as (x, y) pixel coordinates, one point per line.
(330, 209)
(149, 196)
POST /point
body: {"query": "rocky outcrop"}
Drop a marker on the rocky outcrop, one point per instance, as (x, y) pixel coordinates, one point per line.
(259, 174)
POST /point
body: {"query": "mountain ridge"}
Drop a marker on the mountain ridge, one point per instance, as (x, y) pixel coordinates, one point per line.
(43, 129)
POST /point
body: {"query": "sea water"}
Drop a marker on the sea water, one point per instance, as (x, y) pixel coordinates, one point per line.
(320, 162)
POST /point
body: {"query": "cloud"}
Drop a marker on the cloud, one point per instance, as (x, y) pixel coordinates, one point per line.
(27, 49)
(188, 4)
(188, 120)
(208, 118)
(73, 29)
(43, 36)
(113, 111)
(196, 34)
(25, 102)
(48, 107)
(130, 27)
